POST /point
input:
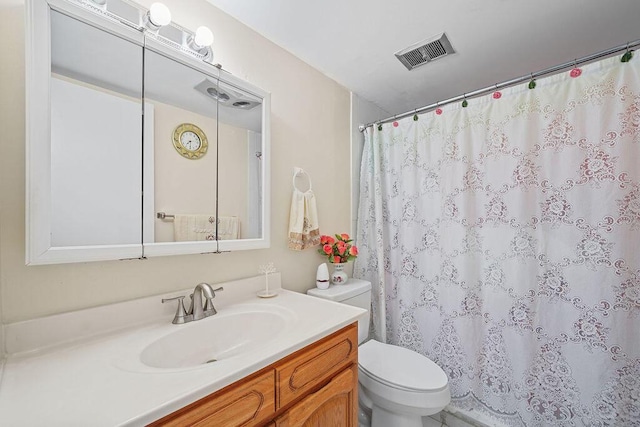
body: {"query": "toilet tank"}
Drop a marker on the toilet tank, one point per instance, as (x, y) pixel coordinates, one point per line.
(355, 292)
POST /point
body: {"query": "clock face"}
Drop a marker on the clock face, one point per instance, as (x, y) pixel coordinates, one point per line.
(190, 140)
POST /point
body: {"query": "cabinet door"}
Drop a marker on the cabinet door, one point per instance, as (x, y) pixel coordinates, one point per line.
(248, 403)
(307, 370)
(335, 405)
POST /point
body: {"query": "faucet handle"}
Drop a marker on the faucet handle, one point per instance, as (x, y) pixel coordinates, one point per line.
(181, 315)
(208, 304)
(190, 311)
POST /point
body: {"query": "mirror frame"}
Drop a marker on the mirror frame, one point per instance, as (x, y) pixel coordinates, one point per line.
(38, 249)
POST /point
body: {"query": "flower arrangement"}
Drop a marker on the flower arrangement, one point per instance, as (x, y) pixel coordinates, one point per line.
(338, 250)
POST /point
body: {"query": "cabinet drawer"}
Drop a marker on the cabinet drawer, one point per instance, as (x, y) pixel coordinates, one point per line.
(309, 369)
(246, 403)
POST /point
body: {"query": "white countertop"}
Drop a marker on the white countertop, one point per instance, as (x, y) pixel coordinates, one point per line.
(98, 380)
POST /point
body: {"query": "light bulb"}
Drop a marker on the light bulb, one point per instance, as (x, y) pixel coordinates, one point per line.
(204, 37)
(159, 14)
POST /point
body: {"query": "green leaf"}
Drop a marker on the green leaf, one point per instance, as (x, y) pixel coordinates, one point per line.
(465, 104)
(415, 117)
(532, 84)
(627, 56)
(380, 126)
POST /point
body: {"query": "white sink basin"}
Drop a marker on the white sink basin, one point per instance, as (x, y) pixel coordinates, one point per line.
(217, 338)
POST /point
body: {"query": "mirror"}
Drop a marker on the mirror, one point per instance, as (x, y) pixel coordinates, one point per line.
(149, 151)
(239, 172)
(95, 184)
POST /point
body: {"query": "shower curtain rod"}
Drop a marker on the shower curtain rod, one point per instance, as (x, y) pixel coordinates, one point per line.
(508, 83)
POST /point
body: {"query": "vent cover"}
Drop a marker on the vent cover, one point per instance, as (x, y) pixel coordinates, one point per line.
(227, 95)
(425, 51)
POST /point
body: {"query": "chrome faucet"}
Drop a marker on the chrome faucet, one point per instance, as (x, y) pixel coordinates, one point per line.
(196, 311)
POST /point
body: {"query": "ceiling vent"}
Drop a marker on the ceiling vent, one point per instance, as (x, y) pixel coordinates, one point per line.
(425, 51)
(226, 95)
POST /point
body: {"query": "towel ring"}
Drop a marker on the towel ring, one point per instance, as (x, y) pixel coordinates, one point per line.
(297, 172)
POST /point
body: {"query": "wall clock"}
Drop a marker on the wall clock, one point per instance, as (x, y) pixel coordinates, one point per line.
(190, 141)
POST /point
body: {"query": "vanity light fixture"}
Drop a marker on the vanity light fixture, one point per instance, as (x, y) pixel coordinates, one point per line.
(158, 16)
(201, 41)
(151, 21)
(203, 37)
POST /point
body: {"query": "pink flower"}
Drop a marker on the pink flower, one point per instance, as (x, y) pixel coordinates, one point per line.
(438, 111)
(338, 249)
(576, 72)
(395, 124)
(497, 95)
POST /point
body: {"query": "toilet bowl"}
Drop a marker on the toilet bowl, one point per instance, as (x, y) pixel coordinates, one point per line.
(397, 386)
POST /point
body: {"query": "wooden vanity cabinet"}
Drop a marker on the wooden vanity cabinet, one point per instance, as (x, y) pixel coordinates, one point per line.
(315, 386)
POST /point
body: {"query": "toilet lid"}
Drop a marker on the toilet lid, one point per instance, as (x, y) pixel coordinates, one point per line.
(400, 367)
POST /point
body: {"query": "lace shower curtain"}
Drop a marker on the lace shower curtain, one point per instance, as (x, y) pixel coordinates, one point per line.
(503, 242)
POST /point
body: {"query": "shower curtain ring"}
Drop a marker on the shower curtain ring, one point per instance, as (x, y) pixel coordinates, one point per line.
(497, 94)
(532, 82)
(464, 103)
(576, 72)
(415, 115)
(627, 55)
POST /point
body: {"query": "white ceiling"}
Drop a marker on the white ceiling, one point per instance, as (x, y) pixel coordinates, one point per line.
(354, 41)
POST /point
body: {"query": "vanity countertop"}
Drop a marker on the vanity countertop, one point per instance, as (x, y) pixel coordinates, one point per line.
(54, 378)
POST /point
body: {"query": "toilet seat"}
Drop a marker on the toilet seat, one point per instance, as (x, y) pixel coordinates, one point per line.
(400, 368)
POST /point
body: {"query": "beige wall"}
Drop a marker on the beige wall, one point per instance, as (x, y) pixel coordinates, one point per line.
(310, 129)
(233, 175)
(187, 186)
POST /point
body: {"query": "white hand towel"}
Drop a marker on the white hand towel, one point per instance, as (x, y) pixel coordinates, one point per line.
(189, 228)
(304, 230)
(199, 227)
(228, 228)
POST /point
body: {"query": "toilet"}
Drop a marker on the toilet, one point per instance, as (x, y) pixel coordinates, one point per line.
(397, 386)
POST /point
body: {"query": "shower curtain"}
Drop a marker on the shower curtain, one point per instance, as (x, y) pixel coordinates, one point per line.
(503, 242)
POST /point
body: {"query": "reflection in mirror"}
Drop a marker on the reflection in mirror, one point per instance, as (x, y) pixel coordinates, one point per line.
(240, 166)
(95, 86)
(187, 113)
(180, 137)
